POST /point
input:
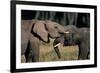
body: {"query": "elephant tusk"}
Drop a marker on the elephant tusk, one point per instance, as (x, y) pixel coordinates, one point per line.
(57, 44)
(66, 32)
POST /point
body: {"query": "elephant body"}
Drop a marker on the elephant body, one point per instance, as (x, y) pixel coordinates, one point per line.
(34, 31)
(76, 36)
(84, 46)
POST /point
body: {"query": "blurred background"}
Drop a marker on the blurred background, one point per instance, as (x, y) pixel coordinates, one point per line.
(63, 18)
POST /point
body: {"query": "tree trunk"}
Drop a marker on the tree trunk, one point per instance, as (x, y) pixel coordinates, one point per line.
(37, 14)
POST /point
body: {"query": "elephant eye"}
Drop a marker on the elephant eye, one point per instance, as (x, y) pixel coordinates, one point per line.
(55, 26)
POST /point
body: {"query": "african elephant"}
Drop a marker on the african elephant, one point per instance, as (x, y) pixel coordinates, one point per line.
(76, 36)
(34, 31)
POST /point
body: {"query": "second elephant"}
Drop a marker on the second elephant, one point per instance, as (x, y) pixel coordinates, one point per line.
(76, 36)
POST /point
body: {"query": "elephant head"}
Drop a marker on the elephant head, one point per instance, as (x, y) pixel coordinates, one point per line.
(46, 29)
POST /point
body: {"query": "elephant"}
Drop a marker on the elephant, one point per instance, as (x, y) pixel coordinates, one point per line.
(75, 36)
(32, 32)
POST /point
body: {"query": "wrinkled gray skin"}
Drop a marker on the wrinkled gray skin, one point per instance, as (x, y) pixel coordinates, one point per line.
(76, 36)
(34, 31)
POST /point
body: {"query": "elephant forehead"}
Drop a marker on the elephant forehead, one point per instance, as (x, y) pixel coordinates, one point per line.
(54, 26)
(50, 25)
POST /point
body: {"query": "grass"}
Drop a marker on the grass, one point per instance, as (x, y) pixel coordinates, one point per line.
(47, 53)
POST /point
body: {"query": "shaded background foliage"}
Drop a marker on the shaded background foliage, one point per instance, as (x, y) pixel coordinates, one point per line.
(63, 18)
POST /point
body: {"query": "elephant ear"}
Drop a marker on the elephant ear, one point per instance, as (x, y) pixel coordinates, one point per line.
(40, 30)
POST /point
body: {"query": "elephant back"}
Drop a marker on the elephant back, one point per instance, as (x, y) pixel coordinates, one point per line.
(27, 24)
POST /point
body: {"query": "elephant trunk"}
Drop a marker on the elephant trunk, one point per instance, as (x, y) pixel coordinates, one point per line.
(58, 52)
